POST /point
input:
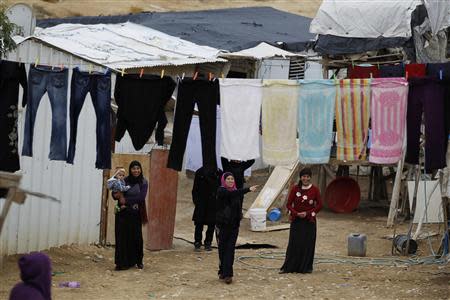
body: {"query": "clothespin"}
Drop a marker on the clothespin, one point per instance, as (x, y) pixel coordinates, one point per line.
(122, 72)
(209, 76)
(222, 75)
(36, 62)
(440, 74)
(195, 75)
(406, 75)
(142, 72)
(371, 76)
(162, 73)
(90, 69)
(182, 76)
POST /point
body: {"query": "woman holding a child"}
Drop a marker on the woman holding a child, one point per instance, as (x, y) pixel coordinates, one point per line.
(129, 219)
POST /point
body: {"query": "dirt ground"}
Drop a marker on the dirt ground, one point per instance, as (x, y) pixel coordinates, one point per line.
(184, 274)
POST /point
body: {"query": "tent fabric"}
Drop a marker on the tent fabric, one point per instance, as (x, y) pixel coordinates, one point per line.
(263, 50)
(127, 45)
(231, 29)
(439, 14)
(336, 45)
(364, 18)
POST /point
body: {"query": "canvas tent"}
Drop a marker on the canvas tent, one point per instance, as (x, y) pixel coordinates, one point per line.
(231, 29)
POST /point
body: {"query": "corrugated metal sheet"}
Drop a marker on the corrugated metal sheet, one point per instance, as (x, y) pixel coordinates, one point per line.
(39, 223)
(124, 46)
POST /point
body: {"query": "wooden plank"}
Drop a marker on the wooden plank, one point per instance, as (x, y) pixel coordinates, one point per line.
(281, 175)
(277, 227)
(124, 160)
(162, 203)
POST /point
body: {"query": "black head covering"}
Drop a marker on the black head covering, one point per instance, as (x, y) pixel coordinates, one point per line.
(305, 171)
(131, 179)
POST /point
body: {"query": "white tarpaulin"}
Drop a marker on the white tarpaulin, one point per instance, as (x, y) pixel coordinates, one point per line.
(364, 18)
(438, 13)
(126, 45)
(263, 50)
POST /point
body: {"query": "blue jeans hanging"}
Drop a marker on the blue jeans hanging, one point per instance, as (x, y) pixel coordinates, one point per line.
(99, 86)
(43, 79)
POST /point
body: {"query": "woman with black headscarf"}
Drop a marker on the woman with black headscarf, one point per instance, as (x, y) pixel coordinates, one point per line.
(128, 230)
(303, 204)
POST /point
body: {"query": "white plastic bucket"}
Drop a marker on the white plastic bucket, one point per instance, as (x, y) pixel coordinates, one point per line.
(257, 219)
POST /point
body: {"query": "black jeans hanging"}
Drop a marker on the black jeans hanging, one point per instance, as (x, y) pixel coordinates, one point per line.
(11, 75)
(141, 102)
(207, 95)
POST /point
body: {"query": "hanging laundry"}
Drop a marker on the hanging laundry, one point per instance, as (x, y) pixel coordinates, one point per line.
(442, 72)
(363, 72)
(279, 122)
(140, 102)
(42, 79)
(11, 75)
(415, 70)
(392, 70)
(206, 95)
(240, 115)
(388, 119)
(315, 120)
(426, 95)
(99, 86)
(352, 118)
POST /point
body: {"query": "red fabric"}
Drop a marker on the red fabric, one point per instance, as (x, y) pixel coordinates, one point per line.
(300, 201)
(415, 70)
(363, 72)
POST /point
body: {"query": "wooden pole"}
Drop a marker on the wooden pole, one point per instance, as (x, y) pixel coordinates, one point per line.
(104, 210)
(395, 193)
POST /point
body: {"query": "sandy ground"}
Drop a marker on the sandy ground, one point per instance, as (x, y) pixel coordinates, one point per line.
(184, 274)
(68, 8)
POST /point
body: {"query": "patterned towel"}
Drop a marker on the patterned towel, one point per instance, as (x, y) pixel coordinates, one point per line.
(315, 120)
(388, 115)
(279, 122)
(352, 118)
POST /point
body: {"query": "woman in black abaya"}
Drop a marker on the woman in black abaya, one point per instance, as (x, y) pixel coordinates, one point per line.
(128, 228)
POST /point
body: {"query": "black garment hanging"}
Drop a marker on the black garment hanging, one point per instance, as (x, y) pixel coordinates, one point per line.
(206, 95)
(141, 102)
(11, 75)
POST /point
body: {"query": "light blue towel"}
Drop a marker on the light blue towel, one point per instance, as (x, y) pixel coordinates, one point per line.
(315, 120)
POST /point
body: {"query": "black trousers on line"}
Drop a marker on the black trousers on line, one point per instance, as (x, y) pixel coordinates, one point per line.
(199, 234)
(226, 239)
(206, 95)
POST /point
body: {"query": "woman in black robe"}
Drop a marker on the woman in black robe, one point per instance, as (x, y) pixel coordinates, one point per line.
(228, 218)
(204, 197)
(303, 204)
(129, 250)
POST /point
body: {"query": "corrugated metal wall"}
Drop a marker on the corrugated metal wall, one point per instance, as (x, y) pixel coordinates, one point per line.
(40, 223)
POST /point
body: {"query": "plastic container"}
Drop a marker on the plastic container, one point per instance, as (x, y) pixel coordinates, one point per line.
(70, 284)
(343, 195)
(400, 242)
(274, 215)
(257, 219)
(356, 244)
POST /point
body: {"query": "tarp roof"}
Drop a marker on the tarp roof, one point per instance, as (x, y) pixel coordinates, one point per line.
(124, 46)
(231, 29)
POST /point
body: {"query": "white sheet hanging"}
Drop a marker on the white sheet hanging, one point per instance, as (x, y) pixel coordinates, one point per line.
(194, 159)
(240, 101)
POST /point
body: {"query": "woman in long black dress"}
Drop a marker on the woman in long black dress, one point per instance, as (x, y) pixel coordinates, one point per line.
(303, 204)
(128, 229)
(228, 218)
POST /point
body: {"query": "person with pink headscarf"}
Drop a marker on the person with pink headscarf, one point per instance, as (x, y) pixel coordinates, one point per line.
(228, 218)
